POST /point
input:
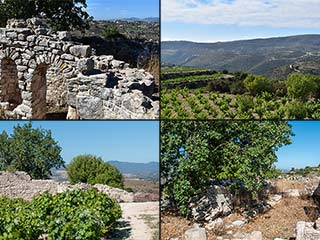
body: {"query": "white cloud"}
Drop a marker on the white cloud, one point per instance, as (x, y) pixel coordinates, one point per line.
(274, 13)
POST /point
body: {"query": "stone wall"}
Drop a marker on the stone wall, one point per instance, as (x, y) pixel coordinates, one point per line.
(93, 87)
(20, 185)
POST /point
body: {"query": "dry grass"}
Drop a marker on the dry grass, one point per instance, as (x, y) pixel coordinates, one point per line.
(280, 221)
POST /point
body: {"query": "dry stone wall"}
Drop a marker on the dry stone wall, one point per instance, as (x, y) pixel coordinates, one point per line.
(40, 67)
(20, 185)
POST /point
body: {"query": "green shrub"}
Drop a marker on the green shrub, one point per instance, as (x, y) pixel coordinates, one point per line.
(245, 103)
(75, 214)
(301, 86)
(91, 169)
(111, 32)
(296, 110)
(257, 84)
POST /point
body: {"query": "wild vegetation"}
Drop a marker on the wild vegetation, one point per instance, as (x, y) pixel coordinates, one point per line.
(61, 15)
(195, 152)
(80, 214)
(91, 169)
(225, 95)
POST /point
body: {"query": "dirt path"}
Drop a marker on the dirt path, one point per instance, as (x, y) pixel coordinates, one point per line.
(139, 221)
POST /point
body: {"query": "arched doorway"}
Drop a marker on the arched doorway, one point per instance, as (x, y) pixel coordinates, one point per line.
(10, 92)
(39, 92)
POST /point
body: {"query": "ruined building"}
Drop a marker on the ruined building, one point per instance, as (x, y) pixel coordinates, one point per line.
(43, 70)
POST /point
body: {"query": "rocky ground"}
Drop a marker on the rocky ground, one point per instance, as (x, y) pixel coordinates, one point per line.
(288, 212)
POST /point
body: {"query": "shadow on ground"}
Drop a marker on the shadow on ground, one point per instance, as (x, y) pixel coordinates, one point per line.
(122, 231)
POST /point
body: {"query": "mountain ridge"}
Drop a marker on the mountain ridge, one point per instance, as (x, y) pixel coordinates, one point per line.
(263, 56)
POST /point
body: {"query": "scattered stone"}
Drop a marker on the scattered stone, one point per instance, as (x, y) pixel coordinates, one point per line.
(195, 234)
(239, 223)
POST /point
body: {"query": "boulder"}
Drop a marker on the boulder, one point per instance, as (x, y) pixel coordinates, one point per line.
(81, 50)
(215, 202)
(195, 234)
(307, 231)
(85, 65)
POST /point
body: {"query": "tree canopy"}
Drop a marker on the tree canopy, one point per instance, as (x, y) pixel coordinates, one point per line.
(30, 150)
(195, 152)
(91, 169)
(61, 14)
(301, 86)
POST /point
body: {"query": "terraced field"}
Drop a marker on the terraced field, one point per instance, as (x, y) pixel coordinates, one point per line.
(191, 97)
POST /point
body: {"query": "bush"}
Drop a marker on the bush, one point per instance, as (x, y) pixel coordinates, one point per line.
(296, 110)
(245, 103)
(257, 84)
(79, 214)
(301, 86)
(111, 32)
(91, 169)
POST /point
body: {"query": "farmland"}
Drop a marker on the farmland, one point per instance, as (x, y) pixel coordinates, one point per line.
(190, 94)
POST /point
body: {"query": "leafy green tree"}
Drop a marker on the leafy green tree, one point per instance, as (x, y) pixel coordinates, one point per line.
(91, 169)
(301, 86)
(195, 152)
(30, 150)
(61, 14)
(257, 84)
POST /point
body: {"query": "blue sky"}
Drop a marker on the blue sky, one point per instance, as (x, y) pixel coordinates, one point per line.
(128, 141)
(226, 20)
(305, 147)
(115, 9)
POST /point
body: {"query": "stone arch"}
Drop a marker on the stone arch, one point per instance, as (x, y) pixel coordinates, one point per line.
(9, 84)
(39, 92)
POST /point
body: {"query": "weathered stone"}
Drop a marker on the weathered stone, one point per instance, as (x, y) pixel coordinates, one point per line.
(85, 65)
(81, 50)
(195, 234)
(64, 35)
(44, 60)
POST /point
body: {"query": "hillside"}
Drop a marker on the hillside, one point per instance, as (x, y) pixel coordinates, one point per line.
(270, 57)
(143, 170)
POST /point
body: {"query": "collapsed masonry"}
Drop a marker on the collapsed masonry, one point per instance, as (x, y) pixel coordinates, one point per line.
(41, 68)
(20, 185)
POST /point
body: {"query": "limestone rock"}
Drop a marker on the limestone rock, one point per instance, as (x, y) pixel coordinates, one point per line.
(215, 202)
(81, 51)
(195, 234)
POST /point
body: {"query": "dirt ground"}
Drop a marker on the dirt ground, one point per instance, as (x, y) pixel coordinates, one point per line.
(141, 185)
(280, 221)
(139, 221)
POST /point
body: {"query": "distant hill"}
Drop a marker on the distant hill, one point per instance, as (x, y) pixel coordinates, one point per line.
(270, 57)
(133, 19)
(143, 170)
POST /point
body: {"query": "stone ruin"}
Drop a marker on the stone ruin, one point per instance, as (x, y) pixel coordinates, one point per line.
(41, 68)
(21, 185)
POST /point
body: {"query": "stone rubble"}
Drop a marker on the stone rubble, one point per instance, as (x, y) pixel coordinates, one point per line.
(20, 185)
(40, 67)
